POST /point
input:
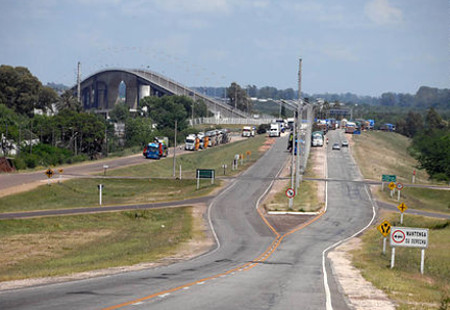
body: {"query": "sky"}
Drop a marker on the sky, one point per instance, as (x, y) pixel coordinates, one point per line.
(366, 47)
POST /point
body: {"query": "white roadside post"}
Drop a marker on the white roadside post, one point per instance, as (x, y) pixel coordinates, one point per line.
(399, 189)
(100, 188)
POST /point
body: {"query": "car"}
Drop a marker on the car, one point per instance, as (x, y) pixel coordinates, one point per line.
(345, 143)
(336, 146)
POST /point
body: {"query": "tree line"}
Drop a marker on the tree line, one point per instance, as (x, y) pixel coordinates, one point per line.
(430, 142)
(64, 133)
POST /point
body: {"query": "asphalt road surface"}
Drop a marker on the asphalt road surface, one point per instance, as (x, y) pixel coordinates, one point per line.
(252, 267)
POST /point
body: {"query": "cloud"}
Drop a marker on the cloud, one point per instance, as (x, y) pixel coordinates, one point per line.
(382, 13)
(194, 6)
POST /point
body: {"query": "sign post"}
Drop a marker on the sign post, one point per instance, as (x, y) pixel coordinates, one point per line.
(60, 175)
(49, 174)
(290, 193)
(384, 228)
(100, 189)
(392, 187)
(402, 207)
(205, 174)
(409, 237)
(387, 178)
(399, 188)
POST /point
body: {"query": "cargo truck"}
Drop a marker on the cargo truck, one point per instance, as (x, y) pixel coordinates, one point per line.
(275, 130)
(317, 138)
(157, 148)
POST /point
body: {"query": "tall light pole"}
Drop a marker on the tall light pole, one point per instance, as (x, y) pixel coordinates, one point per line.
(300, 115)
(79, 82)
(175, 148)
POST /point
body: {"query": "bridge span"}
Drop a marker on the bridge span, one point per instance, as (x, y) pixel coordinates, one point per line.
(100, 91)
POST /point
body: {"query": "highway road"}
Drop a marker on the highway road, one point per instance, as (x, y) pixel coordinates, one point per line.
(252, 266)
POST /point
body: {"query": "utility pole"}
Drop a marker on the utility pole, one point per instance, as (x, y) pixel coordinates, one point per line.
(175, 148)
(79, 82)
(300, 116)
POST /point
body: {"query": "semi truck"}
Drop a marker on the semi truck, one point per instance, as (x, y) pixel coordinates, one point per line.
(190, 143)
(157, 149)
(275, 130)
(248, 131)
(317, 138)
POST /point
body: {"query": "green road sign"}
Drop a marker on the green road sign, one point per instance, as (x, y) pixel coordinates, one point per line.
(389, 178)
(205, 173)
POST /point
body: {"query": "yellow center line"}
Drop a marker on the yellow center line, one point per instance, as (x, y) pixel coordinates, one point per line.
(245, 267)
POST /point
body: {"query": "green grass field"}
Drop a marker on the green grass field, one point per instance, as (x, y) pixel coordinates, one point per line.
(404, 284)
(380, 153)
(84, 193)
(62, 245)
(211, 158)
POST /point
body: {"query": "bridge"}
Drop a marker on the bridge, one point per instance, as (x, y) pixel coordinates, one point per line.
(100, 91)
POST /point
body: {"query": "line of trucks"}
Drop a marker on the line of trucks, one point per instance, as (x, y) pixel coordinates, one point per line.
(203, 140)
(193, 142)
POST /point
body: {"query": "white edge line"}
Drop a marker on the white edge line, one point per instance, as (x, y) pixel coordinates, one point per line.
(211, 205)
(328, 303)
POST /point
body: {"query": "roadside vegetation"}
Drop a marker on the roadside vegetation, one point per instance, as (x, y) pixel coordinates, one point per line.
(404, 284)
(308, 198)
(83, 192)
(379, 153)
(63, 245)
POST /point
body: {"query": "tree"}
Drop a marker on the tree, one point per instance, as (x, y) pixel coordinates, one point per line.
(19, 89)
(165, 110)
(119, 113)
(414, 124)
(239, 98)
(68, 102)
(46, 98)
(433, 120)
(433, 148)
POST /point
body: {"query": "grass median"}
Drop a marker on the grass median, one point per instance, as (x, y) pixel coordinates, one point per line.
(404, 284)
(78, 193)
(54, 246)
(63, 245)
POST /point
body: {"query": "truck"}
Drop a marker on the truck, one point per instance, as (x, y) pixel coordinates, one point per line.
(317, 138)
(247, 131)
(190, 143)
(274, 130)
(350, 127)
(157, 149)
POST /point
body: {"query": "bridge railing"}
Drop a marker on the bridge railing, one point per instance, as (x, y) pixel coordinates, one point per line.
(230, 121)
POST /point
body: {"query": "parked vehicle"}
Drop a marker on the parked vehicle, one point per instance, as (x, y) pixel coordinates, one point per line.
(345, 143)
(190, 142)
(157, 148)
(275, 130)
(317, 138)
(247, 131)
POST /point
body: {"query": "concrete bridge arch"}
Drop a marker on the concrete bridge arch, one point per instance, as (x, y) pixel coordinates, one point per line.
(100, 91)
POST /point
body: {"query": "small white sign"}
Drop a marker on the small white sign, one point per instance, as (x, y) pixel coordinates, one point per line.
(409, 237)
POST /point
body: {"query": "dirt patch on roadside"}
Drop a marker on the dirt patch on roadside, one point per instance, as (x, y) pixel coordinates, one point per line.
(360, 293)
(201, 242)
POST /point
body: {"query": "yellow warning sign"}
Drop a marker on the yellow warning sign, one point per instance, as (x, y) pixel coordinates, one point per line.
(49, 173)
(402, 207)
(384, 228)
(392, 185)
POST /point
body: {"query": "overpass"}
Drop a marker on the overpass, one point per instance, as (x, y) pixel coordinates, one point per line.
(100, 91)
